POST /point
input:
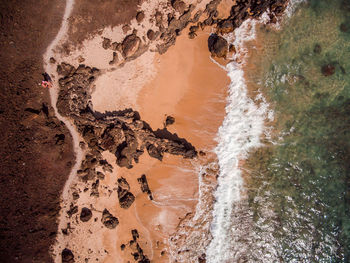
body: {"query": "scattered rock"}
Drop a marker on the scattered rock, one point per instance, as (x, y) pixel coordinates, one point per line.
(140, 16)
(159, 19)
(114, 59)
(317, 49)
(179, 6)
(67, 256)
(192, 35)
(85, 214)
(169, 121)
(106, 43)
(126, 28)
(125, 197)
(201, 153)
(100, 175)
(226, 26)
(72, 210)
(328, 70)
(135, 234)
(81, 59)
(151, 35)
(75, 196)
(144, 186)
(217, 46)
(94, 188)
(108, 220)
(202, 259)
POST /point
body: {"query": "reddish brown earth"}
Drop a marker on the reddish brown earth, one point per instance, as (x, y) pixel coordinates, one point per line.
(35, 147)
(89, 17)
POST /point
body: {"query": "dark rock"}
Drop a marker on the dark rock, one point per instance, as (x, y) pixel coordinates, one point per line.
(317, 49)
(226, 26)
(135, 234)
(159, 19)
(116, 46)
(52, 60)
(169, 120)
(344, 28)
(154, 152)
(72, 210)
(114, 59)
(202, 259)
(179, 6)
(75, 196)
(106, 43)
(125, 197)
(108, 220)
(140, 16)
(151, 35)
(100, 175)
(85, 214)
(94, 189)
(328, 70)
(130, 45)
(217, 46)
(194, 28)
(67, 256)
(122, 247)
(192, 35)
(144, 186)
(126, 28)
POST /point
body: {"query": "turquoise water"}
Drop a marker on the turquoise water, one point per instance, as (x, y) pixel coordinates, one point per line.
(298, 184)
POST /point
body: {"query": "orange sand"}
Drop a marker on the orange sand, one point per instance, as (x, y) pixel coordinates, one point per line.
(191, 88)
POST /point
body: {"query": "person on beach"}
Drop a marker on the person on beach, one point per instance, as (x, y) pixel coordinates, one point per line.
(47, 82)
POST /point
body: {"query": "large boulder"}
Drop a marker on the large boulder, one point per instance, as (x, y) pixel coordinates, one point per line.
(85, 214)
(130, 45)
(217, 46)
(108, 220)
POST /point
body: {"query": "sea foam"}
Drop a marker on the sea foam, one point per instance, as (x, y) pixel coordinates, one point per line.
(239, 133)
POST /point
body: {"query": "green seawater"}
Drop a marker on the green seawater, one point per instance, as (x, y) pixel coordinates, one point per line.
(299, 181)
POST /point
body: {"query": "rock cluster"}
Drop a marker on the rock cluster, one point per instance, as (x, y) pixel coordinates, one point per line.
(135, 248)
(122, 133)
(126, 198)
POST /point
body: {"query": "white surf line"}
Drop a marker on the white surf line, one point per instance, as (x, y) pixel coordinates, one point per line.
(51, 69)
(240, 132)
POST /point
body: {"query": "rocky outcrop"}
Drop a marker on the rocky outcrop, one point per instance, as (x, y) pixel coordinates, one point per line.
(108, 220)
(144, 186)
(217, 46)
(122, 133)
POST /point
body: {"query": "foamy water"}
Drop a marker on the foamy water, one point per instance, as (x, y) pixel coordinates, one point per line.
(240, 132)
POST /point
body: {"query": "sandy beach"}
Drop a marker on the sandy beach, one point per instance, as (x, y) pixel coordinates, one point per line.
(190, 87)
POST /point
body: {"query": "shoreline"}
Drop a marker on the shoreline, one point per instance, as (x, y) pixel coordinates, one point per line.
(183, 83)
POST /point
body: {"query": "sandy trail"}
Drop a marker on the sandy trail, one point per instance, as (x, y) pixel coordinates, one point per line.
(51, 70)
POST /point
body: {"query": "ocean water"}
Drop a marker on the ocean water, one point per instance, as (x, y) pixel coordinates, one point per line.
(288, 117)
